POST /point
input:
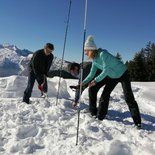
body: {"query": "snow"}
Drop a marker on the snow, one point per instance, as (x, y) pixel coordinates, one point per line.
(44, 128)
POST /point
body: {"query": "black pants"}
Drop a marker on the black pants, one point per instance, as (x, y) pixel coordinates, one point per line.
(31, 80)
(105, 96)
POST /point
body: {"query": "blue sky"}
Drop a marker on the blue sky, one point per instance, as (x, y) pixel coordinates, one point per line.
(123, 26)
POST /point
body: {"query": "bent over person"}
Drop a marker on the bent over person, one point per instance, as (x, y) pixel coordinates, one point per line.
(39, 66)
(113, 71)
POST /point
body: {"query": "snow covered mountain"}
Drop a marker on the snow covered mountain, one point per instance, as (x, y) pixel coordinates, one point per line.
(14, 61)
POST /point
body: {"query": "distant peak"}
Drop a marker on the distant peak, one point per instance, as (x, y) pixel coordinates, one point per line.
(14, 48)
(9, 46)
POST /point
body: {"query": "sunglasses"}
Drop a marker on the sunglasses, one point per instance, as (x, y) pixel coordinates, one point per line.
(49, 50)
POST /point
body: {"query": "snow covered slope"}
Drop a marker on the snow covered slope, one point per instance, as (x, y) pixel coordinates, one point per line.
(43, 128)
(11, 60)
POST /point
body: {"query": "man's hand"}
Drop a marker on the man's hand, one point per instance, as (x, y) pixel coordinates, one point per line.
(92, 83)
(75, 87)
(41, 82)
(74, 104)
(40, 87)
(41, 79)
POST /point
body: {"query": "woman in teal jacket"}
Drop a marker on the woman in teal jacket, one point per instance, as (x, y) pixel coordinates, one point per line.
(112, 72)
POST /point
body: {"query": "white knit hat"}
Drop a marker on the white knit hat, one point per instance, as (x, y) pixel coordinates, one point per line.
(90, 44)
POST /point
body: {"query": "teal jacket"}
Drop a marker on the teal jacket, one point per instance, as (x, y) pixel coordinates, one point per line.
(109, 64)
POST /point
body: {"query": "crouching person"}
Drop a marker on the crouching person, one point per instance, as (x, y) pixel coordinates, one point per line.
(38, 68)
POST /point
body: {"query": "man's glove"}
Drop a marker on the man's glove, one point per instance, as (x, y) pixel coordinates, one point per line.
(75, 87)
(40, 87)
(41, 81)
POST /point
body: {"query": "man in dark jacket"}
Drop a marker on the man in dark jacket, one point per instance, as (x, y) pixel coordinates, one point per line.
(38, 68)
(71, 73)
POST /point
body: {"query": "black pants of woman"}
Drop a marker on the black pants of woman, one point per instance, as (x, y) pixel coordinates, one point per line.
(110, 84)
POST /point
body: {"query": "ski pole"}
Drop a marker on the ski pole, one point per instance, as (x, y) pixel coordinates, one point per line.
(84, 36)
(63, 53)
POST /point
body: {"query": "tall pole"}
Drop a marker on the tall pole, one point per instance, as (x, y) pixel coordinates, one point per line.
(84, 38)
(67, 25)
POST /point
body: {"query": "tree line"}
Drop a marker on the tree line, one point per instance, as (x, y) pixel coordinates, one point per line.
(142, 67)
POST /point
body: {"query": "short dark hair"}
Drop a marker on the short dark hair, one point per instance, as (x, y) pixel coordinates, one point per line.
(71, 66)
(50, 46)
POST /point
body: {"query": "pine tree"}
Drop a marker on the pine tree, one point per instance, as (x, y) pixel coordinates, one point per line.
(137, 67)
(150, 61)
(142, 67)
